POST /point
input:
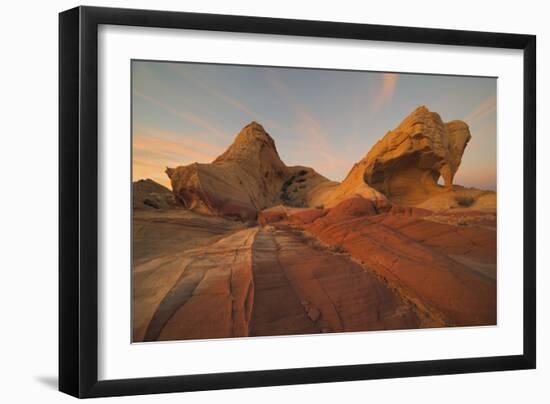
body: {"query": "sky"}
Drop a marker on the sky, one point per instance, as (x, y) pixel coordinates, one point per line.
(325, 119)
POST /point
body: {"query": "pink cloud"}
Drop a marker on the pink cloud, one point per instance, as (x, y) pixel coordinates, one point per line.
(385, 94)
(146, 169)
(235, 103)
(189, 117)
(307, 123)
(154, 150)
(483, 110)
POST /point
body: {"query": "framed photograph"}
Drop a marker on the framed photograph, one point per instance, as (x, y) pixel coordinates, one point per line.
(251, 201)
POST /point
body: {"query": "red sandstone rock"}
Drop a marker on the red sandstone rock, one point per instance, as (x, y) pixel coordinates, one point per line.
(262, 281)
(444, 268)
(294, 215)
(353, 207)
(272, 215)
(306, 216)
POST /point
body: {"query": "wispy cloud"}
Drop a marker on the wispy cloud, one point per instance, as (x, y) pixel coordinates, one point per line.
(143, 169)
(368, 99)
(155, 149)
(385, 93)
(306, 124)
(233, 102)
(326, 162)
(306, 121)
(487, 107)
(314, 146)
(187, 116)
(182, 148)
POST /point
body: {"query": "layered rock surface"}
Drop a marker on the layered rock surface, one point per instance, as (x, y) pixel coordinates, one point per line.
(443, 263)
(358, 266)
(249, 176)
(163, 243)
(406, 164)
(330, 193)
(261, 281)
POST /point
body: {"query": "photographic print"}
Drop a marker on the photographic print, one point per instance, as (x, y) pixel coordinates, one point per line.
(274, 201)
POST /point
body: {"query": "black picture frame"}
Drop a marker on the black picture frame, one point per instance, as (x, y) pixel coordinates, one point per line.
(78, 201)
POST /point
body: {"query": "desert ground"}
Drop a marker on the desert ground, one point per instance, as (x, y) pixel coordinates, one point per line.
(247, 246)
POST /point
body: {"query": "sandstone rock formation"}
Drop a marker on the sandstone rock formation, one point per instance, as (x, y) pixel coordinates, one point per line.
(359, 266)
(387, 248)
(148, 194)
(249, 176)
(281, 212)
(328, 194)
(443, 263)
(406, 164)
(160, 237)
(259, 281)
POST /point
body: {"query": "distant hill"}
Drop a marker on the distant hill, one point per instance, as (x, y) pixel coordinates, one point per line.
(148, 194)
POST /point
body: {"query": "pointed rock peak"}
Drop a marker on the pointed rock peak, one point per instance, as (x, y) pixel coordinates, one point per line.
(421, 113)
(254, 132)
(421, 108)
(254, 125)
(251, 140)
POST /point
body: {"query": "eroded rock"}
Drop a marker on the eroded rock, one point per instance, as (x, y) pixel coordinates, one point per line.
(248, 177)
(406, 164)
(330, 193)
(148, 194)
(444, 263)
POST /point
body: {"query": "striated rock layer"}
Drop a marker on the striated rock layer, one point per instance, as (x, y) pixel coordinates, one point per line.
(406, 164)
(261, 281)
(444, 263)
(359, 266)
(249, 176)
(164, 243)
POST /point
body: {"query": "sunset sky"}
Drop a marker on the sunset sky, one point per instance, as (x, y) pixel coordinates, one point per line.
(325, 119)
